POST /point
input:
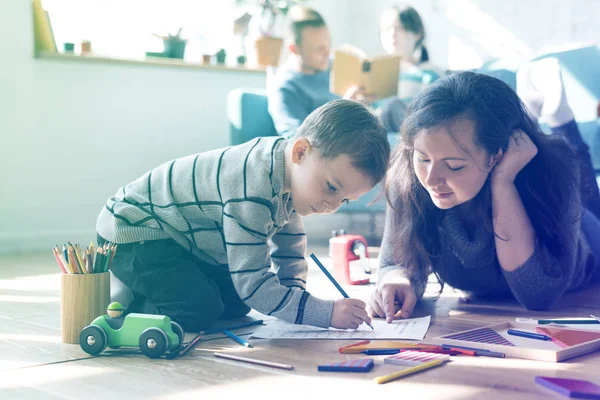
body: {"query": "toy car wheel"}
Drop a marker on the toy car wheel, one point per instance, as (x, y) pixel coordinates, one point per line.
(178, 330)
(153, 342)
(93, 339)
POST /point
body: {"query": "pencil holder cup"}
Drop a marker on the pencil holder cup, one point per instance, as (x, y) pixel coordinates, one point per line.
(83, 297)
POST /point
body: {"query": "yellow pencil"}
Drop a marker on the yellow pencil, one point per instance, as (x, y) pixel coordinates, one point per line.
(79, 258)
(408, 371)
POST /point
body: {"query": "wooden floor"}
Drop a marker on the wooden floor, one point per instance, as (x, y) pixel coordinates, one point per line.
(35, 364)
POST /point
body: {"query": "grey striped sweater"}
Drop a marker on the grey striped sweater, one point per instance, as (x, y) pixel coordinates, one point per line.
(227, 206)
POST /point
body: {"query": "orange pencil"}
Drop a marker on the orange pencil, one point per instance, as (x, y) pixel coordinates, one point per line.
(73, 260)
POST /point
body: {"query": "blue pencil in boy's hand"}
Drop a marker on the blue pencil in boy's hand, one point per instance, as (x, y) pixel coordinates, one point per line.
(332, 279)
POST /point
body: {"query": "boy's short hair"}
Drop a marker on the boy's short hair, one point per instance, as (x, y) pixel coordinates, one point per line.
(348, 127)
(300, 18)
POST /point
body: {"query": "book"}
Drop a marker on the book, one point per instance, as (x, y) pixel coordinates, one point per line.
(42, 29)
(377, 75)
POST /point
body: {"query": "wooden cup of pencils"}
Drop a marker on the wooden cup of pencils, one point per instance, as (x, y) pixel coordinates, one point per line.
(84, 286)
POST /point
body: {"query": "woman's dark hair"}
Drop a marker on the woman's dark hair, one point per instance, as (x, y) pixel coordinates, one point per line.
(411, 21)
(544, 184)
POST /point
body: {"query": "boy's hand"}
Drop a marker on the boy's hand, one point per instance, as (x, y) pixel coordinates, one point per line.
(348, 314)
(393, 300)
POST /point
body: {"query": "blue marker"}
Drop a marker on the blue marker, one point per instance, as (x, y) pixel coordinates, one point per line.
(528, 335)
(380, 352)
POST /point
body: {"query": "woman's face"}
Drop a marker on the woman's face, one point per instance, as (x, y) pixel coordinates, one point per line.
(449, 165)
(394, 39)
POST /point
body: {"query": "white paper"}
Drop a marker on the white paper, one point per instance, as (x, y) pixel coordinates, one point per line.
(412, 329)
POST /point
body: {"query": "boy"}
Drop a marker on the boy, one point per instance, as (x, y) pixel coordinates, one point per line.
(302, 84)
(198, 235)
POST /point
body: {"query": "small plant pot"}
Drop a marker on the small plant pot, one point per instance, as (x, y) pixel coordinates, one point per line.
(220, 57)
(174, 48)
(267, 50)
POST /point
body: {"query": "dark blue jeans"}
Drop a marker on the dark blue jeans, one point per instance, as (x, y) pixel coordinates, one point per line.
(590, 194)
(167, 279)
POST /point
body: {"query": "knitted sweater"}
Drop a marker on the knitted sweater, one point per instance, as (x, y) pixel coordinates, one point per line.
(468, 261)
(293, 95)
(226, 206)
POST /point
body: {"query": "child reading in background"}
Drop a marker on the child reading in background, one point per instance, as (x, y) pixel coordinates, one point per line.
(215, 234)
(301, 84)
(481, 197)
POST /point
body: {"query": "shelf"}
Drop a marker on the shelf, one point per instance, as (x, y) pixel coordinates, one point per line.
(148, 61)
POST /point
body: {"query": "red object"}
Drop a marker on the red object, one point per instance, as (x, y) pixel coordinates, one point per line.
(464, 352)
(341, 349)
(565, 337)
(342, 253)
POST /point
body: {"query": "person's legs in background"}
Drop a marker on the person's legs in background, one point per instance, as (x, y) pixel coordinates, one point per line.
(540, 87)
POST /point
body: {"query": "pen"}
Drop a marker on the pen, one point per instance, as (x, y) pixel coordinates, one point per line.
(237, 338)
(331, 278)
(529, 335)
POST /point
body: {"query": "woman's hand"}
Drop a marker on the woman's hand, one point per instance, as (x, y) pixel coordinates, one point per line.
(393, 298)
(519, 153)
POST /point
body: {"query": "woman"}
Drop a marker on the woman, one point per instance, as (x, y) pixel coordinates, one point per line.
(402, 32)
(479, 196)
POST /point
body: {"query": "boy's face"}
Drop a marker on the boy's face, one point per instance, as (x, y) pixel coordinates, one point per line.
(314, 48)
(321, 186)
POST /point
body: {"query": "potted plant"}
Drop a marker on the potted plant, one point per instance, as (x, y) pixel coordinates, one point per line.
(264, 44)
(174, 45)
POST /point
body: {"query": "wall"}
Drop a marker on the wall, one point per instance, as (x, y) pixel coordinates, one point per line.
(73, 132)
(464, 33)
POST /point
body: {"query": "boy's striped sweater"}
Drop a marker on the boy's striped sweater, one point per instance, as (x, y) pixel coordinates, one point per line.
(227, 206)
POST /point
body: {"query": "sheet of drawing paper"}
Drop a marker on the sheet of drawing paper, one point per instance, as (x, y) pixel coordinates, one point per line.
(413, 328)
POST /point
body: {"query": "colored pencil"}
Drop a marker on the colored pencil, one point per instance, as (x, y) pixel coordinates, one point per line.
(332, 279)
(407, 371)
(58, 260)
(479, 352)
(182, 350)
(237, 338)
(254, 361)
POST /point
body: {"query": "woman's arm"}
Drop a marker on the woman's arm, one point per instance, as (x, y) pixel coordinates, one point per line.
(513, 233)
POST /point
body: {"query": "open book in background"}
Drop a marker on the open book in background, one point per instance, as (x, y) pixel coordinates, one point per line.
(377, 75)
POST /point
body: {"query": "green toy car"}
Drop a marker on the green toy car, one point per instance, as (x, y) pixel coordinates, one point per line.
(153, 334)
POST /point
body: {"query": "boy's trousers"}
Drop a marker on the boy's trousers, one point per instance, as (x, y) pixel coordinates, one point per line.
(167, 279)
